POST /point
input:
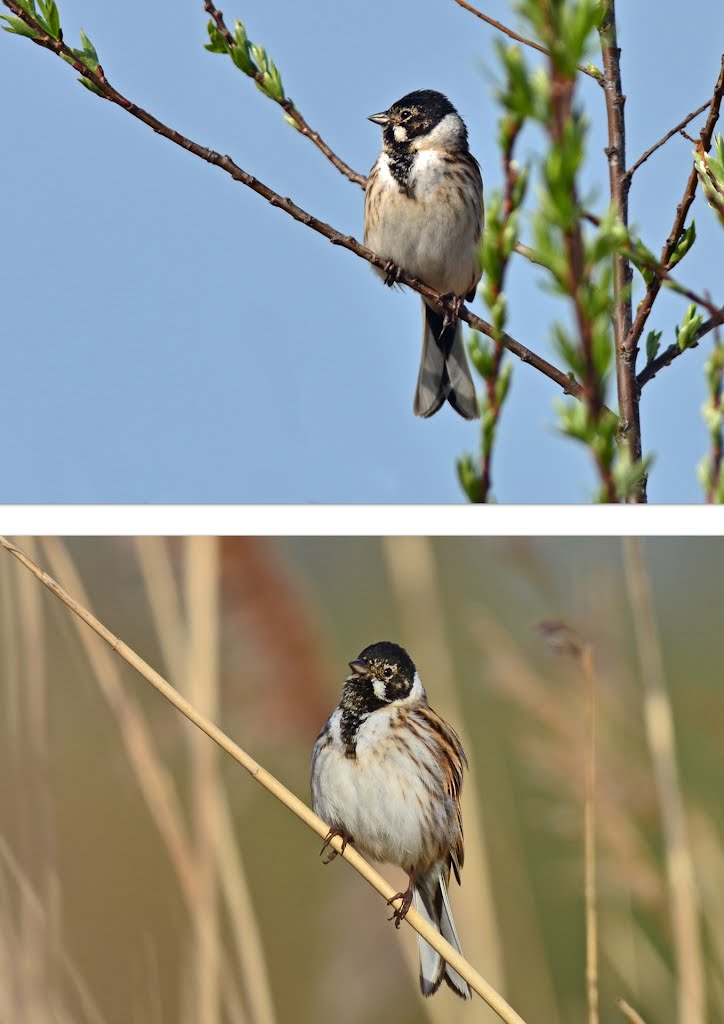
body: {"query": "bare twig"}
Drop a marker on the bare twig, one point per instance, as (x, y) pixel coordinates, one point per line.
(665, 138)
(625, 352)
(566, 381)
(673, 351)
(272, 785)
(291, 110)
(659, 723)
(629, 1013)
(521, 39)
(682, 211)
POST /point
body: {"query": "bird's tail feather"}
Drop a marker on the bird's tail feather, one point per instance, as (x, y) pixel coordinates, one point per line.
(430, 898)
(444, 371)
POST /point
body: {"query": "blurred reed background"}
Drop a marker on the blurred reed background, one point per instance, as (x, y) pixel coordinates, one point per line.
(145, 878)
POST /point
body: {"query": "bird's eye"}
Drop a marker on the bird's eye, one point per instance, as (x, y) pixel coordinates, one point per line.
(388, 672)
(405, 114)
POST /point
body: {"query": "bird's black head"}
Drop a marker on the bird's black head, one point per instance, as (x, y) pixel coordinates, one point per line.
(416, 116)
(385, 670)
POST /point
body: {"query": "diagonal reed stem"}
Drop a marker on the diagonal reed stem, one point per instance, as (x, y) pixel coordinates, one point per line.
(273, 786)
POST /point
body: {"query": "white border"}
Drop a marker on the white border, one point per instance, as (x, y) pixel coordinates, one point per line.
(363, 520)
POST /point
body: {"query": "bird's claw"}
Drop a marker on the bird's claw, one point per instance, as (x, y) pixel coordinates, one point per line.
(452, 304)
(392, 273)
(400, 913)
(328, 839)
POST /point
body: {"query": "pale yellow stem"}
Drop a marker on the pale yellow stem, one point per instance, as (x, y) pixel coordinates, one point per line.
(272, 785)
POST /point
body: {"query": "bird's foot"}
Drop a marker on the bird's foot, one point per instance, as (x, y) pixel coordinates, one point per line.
(400, 913)
(452, 304)
(392, 273)
(328, 839)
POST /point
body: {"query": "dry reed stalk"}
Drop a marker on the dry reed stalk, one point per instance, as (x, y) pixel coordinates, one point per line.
(557, 753)
(153, 780)
(659, 723)
(708, 847)
(43, 939)
(202, 687)
(587, 667)
(565, 641)
(637, 960)
(87, 1004)
(629, 1013)
(165, 605)
(272, 785)
(243, 922)
(411, 568)
(162, 594)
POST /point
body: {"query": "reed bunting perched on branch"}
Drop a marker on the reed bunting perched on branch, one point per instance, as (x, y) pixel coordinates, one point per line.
(386, 776)
(424, 213)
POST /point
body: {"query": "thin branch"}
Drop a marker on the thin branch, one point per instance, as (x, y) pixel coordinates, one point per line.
(290, 108)
(665, 138)
(272, 785)
(629, 1013)
(682, 211)
(521, 39)
(625, 350)
(668, 280)
(566, 381)
(673, 351)
(659, 722)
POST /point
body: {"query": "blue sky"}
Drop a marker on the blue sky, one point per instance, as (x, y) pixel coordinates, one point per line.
(169, 337)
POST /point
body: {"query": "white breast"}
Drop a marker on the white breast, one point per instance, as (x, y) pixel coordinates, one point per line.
(377, 797)
(431, 234)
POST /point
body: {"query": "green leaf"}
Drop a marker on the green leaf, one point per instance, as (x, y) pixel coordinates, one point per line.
(470, 480)
(48, 16)
(16, 26)
(684, 244)
(88, 47)
(218, 43)
(54, 19)
(628, 476)
(686, 334)
(481, 354)
(91, 86)
(502, 385)
(652, 344)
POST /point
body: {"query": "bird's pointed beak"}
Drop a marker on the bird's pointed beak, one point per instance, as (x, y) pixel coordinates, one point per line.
(381, 119)
(358, 667)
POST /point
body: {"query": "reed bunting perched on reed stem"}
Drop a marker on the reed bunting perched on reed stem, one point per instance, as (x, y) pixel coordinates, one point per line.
(424, 213)
(386, 776)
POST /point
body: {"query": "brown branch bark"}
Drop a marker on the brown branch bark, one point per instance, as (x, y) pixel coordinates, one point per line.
(565, 381)
(291, 109)
(625, 347)
(520, 39)
(673, 351)
(682, 211)
(665, 138)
